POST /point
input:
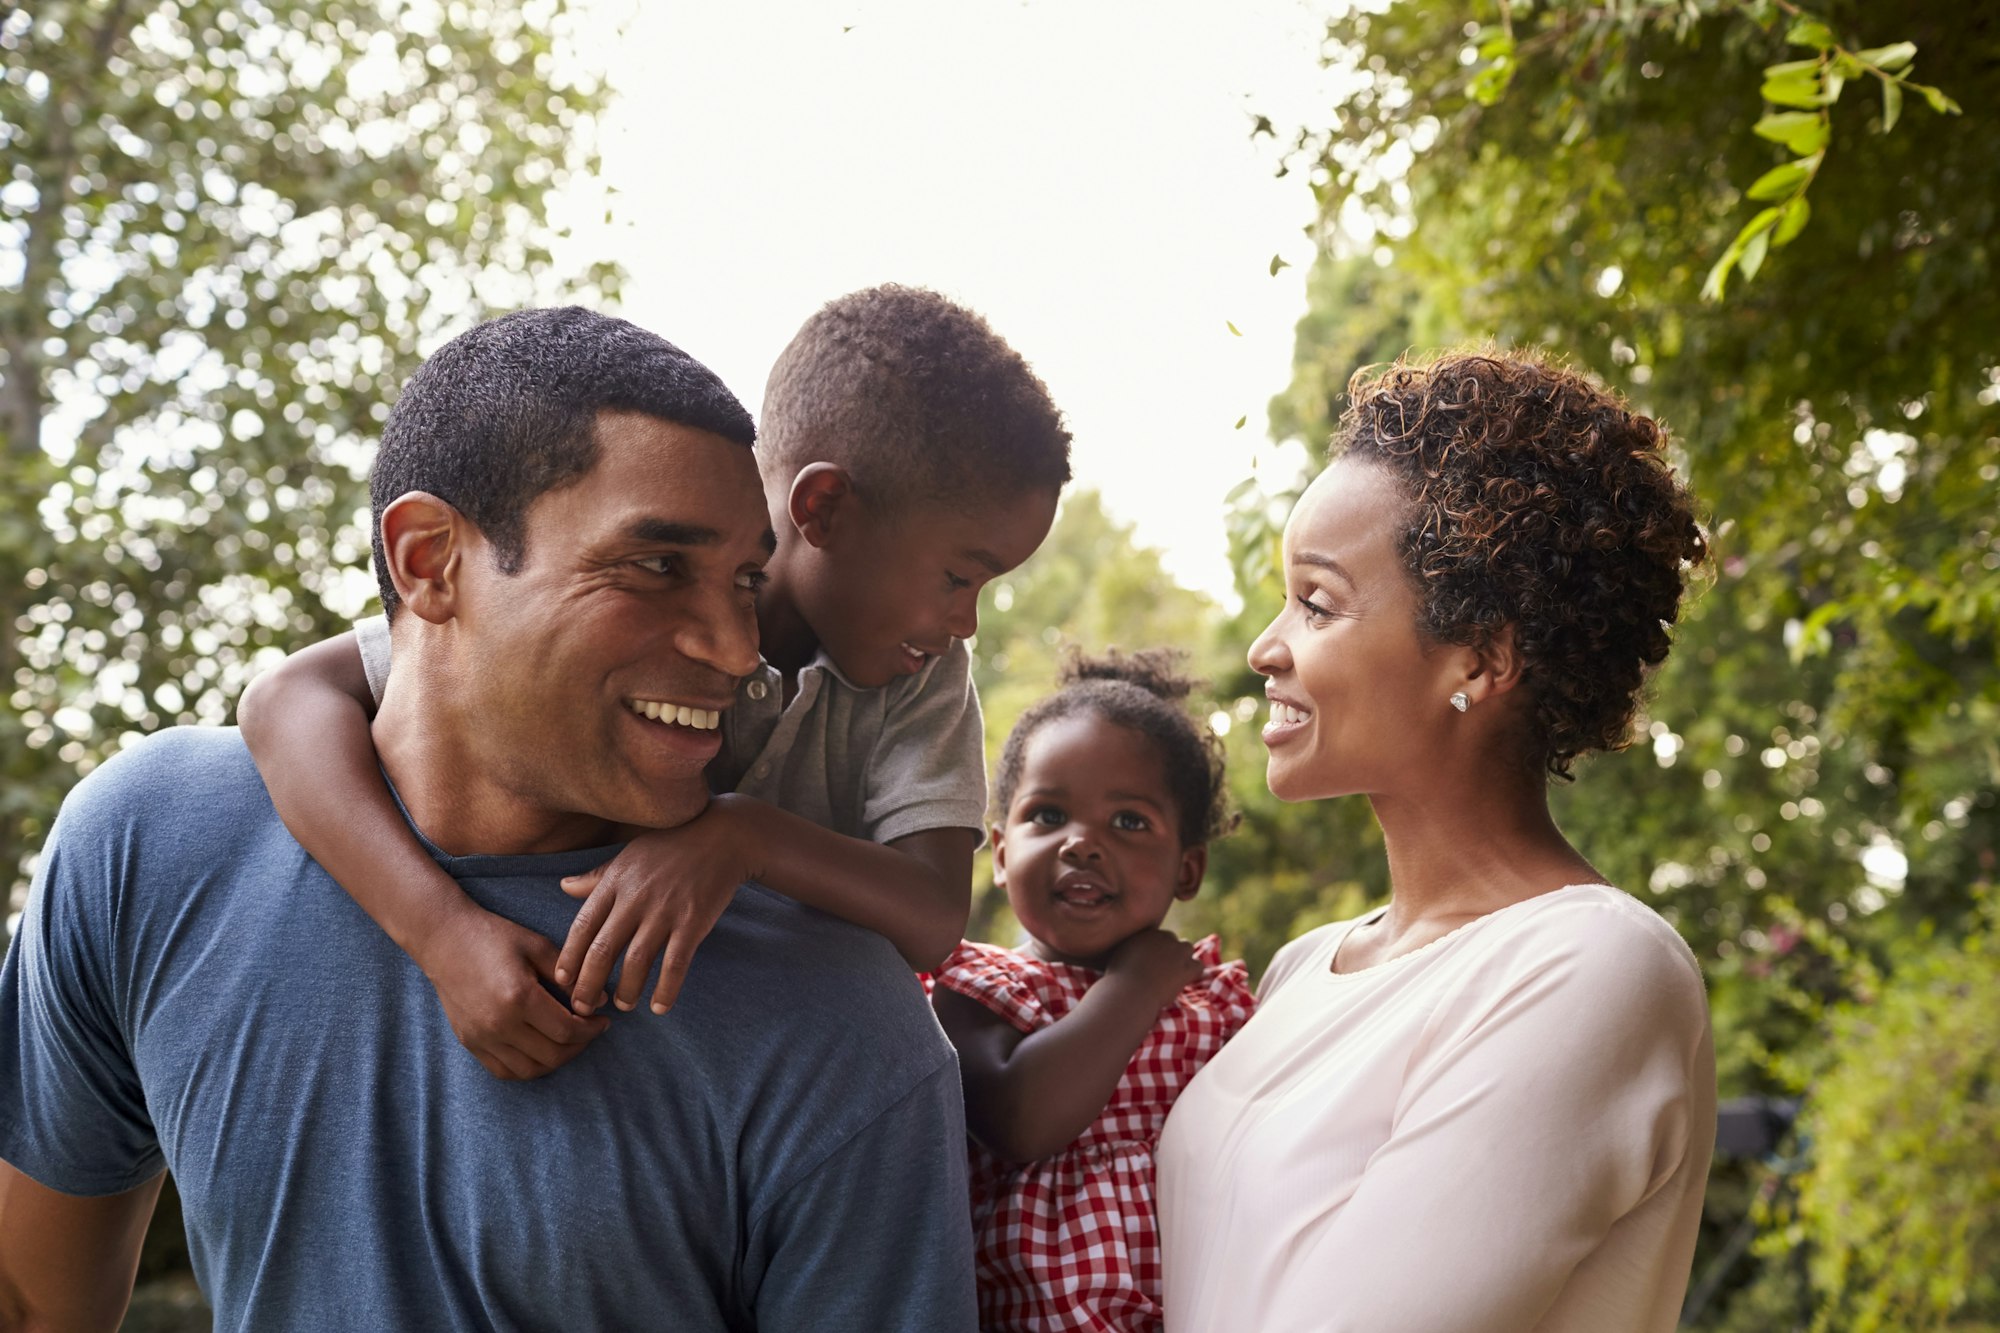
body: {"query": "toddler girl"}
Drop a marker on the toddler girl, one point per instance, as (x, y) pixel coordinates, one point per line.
(1074, 1046)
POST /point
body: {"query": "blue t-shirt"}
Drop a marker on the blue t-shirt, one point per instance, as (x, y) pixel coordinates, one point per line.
(189, 990)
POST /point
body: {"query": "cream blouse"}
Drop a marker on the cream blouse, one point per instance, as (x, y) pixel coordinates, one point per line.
(1507, 1129)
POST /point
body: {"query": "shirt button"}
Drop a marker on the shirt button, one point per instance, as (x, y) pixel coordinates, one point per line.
(757, 689)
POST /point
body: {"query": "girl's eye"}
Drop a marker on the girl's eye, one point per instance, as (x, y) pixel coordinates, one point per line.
(1131, 821)
(1048, 816)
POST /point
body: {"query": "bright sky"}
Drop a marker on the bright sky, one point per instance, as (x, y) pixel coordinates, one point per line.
(1081, 173)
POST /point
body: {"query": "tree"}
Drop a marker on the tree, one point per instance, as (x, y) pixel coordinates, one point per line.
(227, 233)
(1815, 777)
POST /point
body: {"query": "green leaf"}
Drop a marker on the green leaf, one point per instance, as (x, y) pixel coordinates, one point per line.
(1753, 254)
(1941, 104)
(1792, 68)
(1278, 262)
(1810, 32)
(1233, 329)
(1780, 181)
(1888, 57)
(1892, 104)
(1791, 220)
(1804, 132)
(1718, 277)
(1239, 422)
(1794, 90)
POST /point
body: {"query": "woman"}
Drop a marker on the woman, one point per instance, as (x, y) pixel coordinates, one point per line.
(1488, 1106)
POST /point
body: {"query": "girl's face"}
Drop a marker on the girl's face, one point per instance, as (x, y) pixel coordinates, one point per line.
(1359, 698)
(1090, 851)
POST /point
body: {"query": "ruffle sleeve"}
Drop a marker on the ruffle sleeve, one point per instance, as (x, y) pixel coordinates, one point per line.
(992, 977)
(1224, 990)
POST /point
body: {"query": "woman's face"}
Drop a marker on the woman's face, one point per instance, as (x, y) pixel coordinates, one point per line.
(1359, 698)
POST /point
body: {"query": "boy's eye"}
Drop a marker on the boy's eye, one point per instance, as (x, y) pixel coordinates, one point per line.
(1131, 821)
(954, 582)
(1048, 816)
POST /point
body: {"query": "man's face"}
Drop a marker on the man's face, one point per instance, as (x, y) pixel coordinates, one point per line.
(637, 588)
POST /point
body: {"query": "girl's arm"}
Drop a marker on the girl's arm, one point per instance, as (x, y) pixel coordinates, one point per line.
(666, 889)
(306, 724)
(1028, 1097)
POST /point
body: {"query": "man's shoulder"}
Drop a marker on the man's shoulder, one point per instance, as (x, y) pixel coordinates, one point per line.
(812, 977)
(175, 772)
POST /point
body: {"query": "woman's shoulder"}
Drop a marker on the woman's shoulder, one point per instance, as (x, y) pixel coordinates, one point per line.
(1591, 942)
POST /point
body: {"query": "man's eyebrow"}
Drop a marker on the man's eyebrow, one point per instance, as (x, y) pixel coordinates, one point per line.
(1323, 561)
(667, 532)
(985, 557)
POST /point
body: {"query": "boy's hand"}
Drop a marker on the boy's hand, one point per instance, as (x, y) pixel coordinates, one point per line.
(663, 892)
(1158, 960)
(488, 973)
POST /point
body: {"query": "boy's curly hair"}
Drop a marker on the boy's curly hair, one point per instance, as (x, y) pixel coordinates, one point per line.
(1539, 500)
(1146, 692)
(916, 396)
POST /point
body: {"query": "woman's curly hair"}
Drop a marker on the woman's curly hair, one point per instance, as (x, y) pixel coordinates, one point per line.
(1538, 500)
(1146, 692)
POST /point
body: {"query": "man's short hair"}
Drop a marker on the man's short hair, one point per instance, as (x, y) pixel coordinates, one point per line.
(918, 398)
(504, 413)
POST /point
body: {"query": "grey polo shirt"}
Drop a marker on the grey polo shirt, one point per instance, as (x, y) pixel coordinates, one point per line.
(879, 764)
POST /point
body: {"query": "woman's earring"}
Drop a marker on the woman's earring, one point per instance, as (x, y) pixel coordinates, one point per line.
(1459, 701)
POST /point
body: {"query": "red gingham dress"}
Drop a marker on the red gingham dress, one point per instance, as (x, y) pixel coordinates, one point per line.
(1071, 1242)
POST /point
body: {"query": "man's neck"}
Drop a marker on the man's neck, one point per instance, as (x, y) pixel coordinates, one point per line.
(456, 798)
(784, 638)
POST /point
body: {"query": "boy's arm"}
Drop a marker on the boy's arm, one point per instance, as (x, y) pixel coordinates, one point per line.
(1029, 1096)
(666, 889)
(306, 724)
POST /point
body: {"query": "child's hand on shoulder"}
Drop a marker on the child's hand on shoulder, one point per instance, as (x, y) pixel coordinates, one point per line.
(488, 974)
(661, 895)
(1158, 960)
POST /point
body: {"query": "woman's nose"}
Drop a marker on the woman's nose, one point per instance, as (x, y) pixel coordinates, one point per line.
(1268, 654)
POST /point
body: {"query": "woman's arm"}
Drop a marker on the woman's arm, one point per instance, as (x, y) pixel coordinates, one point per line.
(1029, 1096)
(306, 723)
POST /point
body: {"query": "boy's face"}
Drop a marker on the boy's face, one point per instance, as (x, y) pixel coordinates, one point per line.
(887, 593)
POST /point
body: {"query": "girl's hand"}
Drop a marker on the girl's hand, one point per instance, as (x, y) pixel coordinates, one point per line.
(664, 892)
(1157, 960)
(488, 973)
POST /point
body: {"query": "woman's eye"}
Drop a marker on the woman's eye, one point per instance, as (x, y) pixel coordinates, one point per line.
(1131, 821)
(1315, 612)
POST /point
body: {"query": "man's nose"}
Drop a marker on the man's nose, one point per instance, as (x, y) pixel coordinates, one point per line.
(722, 634)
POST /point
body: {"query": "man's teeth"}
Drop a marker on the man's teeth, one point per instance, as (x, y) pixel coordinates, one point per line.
(1283, 714)
(701, 719)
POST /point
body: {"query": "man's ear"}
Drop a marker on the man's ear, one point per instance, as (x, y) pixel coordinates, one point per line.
(425, 541)
(822, 496)
(1496, 667)
(1187, 877)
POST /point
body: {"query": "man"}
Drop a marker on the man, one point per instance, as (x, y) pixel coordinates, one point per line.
(569, 524)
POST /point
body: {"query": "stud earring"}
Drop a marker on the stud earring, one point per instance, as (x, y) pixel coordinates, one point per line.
(1459, 701)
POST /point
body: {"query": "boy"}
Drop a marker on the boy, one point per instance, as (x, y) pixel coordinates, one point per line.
(909, 456)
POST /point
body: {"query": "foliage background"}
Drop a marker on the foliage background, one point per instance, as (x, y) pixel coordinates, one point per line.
(228, 231)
